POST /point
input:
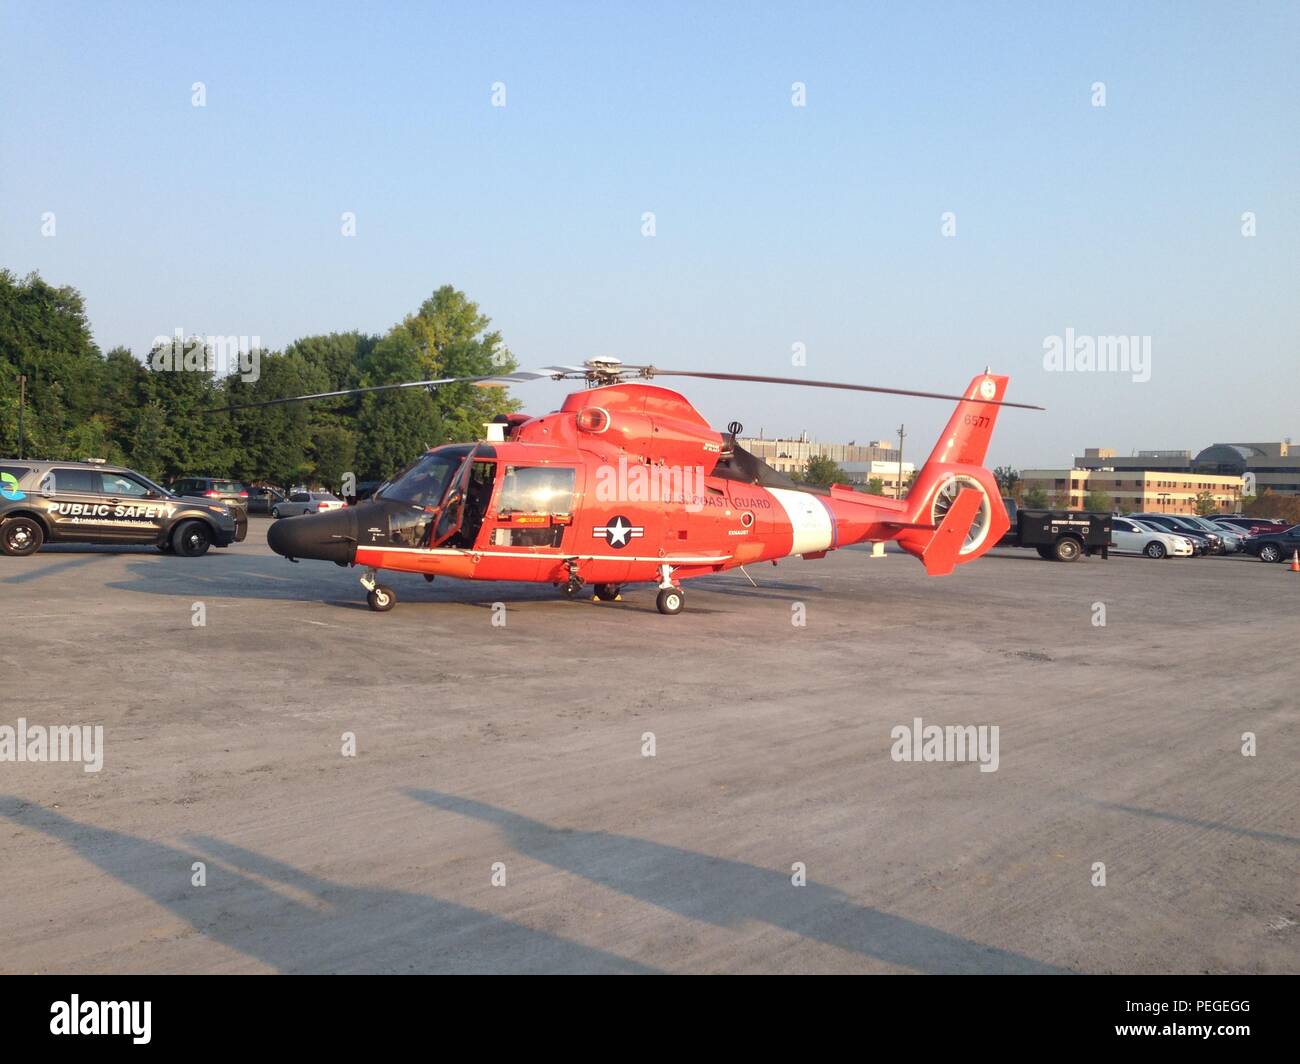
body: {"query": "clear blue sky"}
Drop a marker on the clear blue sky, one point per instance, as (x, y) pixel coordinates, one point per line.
(775, 224)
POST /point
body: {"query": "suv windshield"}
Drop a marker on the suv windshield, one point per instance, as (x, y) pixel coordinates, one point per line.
(425, 482)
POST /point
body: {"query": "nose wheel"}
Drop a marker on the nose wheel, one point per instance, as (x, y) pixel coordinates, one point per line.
(379, 597)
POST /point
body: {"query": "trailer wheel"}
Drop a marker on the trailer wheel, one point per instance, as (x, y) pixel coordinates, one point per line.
(1067, 549)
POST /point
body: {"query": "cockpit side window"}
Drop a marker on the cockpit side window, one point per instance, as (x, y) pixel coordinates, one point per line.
(425, 482)
(537, 490)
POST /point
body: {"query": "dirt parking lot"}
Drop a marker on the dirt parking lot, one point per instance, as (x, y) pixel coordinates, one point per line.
(500, 812)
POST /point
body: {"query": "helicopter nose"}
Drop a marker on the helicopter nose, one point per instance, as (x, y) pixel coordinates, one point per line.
(327, 537)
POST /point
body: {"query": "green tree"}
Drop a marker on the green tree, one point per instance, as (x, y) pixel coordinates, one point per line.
(1206, 504)
(1008, 480)
(44, 334)
(275, 441)
(334, 452)
(1034, 499)
(1270, 504)
(147, 445)
(875, 486)
(337, 356)
(446, 337)
(157, 413)
(395, 427)
(821, 472)
(1098, 502)
(193, 441)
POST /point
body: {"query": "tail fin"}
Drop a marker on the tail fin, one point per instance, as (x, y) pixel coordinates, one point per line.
(966, 439)
(944, 548)
(954, 508)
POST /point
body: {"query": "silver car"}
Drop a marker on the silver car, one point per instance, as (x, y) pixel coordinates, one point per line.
(1233, 540)
(307, 502)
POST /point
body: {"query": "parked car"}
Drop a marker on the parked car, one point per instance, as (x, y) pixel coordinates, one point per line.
(93, 502)
(307, 502)
(1232, 541)
(1257, 525)
(1275, 546)
(262, 498)
(1221, 524)
(1206, 542)
(231, 492)
(1128, 536)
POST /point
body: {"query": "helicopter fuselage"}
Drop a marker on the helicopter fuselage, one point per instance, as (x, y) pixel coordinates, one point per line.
(628, 483)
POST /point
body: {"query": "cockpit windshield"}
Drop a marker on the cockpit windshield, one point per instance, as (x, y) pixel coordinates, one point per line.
(424, 482)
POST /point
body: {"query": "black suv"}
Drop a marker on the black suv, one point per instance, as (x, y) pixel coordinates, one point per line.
(218, 489)
(1274, 546)
(90, 502)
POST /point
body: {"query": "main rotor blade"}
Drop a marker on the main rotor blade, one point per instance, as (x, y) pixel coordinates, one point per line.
(489, 381)
(804, 383)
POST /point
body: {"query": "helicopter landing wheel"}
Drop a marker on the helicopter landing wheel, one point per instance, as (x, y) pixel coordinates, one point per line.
(381, 599)
(670, 601)
(428, 578)
(606, 593)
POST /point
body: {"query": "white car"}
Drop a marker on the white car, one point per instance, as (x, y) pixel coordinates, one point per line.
(307, 502)
(1129, 536)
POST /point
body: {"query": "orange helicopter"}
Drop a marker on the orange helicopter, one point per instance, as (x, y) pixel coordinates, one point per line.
(627, 483)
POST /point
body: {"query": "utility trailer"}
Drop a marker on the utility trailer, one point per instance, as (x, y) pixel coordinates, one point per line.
(1058, 535)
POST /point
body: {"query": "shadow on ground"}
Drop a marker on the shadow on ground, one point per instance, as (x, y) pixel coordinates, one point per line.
(728, 893)
(315, 925)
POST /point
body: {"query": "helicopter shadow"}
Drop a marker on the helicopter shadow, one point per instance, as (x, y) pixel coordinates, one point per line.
(324, 925)
(1201, 825)
(231, 578)
(727, 893)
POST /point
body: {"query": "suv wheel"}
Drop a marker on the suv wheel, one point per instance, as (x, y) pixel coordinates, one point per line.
(192, 539)
(21, 536)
